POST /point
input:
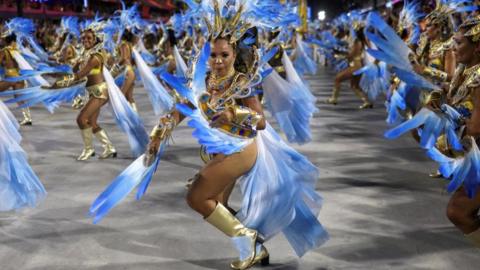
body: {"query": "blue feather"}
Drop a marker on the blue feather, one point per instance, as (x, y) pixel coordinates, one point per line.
(175, 83)
(200, 71)
(50, 98)
(419, 119)
(134, 175)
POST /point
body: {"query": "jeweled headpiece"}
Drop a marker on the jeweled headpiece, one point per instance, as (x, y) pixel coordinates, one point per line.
(474, 32)
(410, 15)
(445, 8)
(232, 19)
(96, 25)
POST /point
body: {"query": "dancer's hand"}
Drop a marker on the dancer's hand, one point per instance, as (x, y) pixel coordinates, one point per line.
(222, 118)
(151, 152)
(419, 69)
(434, 100)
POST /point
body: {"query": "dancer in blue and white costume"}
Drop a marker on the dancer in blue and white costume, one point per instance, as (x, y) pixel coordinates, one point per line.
(277, 183)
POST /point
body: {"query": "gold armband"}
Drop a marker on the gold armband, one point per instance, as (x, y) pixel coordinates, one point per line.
(280, 69)
(244, 116)
(435, 74)
(65, 82)
(164, 128)
(116, 70)
(434, 96)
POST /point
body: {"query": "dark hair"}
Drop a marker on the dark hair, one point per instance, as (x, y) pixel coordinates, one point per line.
(171, 37)
(361, 35)
(10, 38)
(127, 35)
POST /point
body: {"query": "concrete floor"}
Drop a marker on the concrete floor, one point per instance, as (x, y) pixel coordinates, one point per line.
(381, 209)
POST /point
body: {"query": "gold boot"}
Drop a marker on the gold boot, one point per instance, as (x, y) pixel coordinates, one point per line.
(27, 118)
(366, 103)
(134, 107)
(109, 150)
(88, 150)
(474, 238)
(333, 100)
(261, 256)
(227, 223)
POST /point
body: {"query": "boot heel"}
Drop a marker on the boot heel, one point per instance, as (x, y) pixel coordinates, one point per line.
(265, 261)
(114, 155)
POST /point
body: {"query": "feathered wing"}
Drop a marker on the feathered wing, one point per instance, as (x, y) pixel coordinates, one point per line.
(8, 124)
(393, 51)
(127, 119)
(464, 170)
(161, 100)
(181, 67)
(36, 80)
(50, 98)
(434, 124)
(134, 175)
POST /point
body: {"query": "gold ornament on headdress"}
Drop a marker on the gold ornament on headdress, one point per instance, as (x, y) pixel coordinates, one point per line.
(95, 27)
(233, 28)
(474, 32)
(441, 14)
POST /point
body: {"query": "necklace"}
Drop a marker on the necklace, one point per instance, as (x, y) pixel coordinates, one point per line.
(220, 83)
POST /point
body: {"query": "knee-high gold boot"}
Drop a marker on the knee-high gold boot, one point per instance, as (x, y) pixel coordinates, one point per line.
(27, 117)
(227, 223)
(261, 255)
(335, 93)
(88, 150)
(109, 151)
(474, 237)
(366, 103)
(134, 106)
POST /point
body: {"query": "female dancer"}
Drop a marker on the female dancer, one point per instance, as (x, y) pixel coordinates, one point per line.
(90, 68)
(277, 182)
(355, 58)
(8, 63)
(435, 49)
(126, 62)
(464, 96)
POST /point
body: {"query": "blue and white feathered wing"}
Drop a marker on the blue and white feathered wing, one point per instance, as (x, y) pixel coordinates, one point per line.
(279, 194)
(137, 175)
(303, 103)
(434, 124)
(23, 64)
(393, 51)
(161, 100)
(290, 102)
(303, 61)
(19, 185)
(127, 119)
(50, 98)
(464, 170)
(181, 67)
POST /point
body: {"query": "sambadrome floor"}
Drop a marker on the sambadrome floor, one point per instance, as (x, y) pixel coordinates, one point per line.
(381, 208)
